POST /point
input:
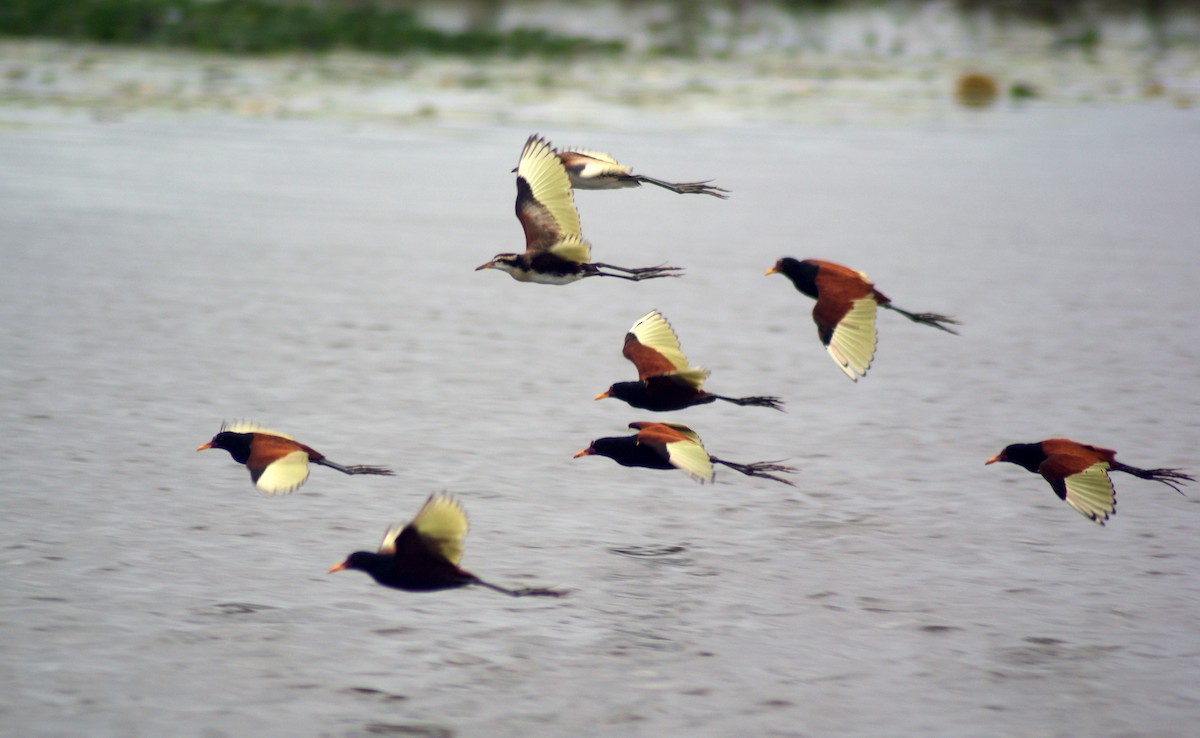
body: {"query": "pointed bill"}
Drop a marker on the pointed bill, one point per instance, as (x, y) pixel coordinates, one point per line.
(442, 525)
(283, 475)
(852, 344)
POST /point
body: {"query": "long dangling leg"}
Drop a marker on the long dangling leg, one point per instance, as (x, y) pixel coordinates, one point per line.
(523, 591)
(356, 468)
(1170, 477)
(685, 188)
(758, 469)
(638, 273)
(756, 401)
(934, 319)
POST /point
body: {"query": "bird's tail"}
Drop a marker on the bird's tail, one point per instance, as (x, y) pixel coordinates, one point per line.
(759, 469)
(356, 469)
(1170, 477)
(937, 320)
(755, 401)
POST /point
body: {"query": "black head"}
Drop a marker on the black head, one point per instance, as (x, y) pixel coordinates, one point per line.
(633, 393)
(626, 451)
(422, 574)
(612, 446)
(802, 273)
(372, 563)
(1027, 455)
(237, 444)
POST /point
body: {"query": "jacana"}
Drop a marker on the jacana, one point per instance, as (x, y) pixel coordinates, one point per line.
(665, 380)
(674, 446)
(845, 310)
(555, 251)
(278, 463)
(1078, 473)
(593, 170)
(423, 555)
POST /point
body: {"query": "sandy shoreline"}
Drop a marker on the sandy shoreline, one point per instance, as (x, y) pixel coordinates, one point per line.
(111, 83)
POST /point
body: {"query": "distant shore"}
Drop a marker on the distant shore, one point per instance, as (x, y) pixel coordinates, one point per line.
(861, 64)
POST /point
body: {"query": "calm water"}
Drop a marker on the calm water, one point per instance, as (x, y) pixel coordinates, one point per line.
(165, 273)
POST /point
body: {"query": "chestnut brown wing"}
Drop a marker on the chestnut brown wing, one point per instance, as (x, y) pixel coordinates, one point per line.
(845, 317)
(679, 445)
(277, 465)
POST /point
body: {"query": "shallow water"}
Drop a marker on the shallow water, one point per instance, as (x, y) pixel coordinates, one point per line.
(165, 273)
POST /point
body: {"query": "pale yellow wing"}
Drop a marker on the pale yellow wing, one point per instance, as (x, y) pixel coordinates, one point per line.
(246, 426)
(690, 457)
(573, 249)
(442, 524)
(679, 444)
(283, 475)
(694, 377)
(653, 331)
(1091, 492)
(388, 544)
(852, 344)
(549, 185)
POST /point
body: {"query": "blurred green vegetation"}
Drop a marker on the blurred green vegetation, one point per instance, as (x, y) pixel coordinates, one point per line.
(262, 27)
(395, 26)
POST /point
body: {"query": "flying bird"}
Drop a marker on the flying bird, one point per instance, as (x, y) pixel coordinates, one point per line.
(665, 380)
(592, 170)
(1078, 473)
(845, 310)
(674, 446)
(423, 555)
(555, 251)
(278, 463)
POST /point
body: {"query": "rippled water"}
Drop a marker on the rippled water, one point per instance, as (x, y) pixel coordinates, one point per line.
(163, 274)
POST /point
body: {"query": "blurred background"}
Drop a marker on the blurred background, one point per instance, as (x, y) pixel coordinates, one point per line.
(487, 61)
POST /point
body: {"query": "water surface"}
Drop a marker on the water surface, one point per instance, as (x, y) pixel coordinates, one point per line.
(164, 273)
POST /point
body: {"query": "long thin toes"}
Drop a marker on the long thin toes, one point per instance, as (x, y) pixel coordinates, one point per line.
(702, 188)
(647, 270)
(538, 592)
(653, 275)
(366, 469)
